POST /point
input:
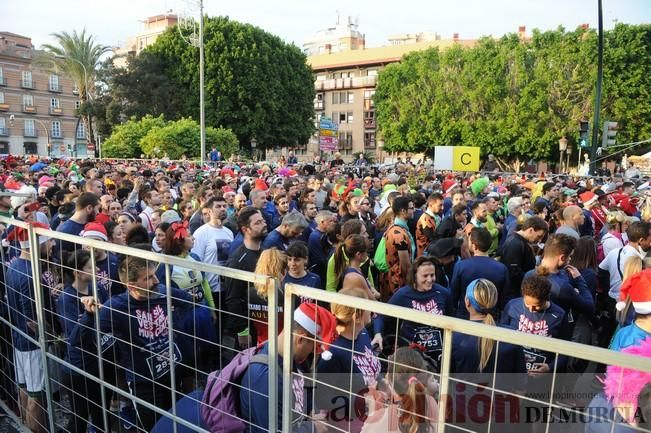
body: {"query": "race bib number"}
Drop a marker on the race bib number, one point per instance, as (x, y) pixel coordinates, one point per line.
(429, 338)
(106, 341)
(159, 364)
(533, 358)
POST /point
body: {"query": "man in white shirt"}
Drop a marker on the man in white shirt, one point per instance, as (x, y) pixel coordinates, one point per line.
(212, 241)
(153, 201)
(639, 242)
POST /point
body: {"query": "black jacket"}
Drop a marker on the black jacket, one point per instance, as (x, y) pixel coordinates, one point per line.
(517, 255)
(447, 229)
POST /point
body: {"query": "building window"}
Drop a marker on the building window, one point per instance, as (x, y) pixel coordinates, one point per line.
(345, 140)
(28, 100)
(335, 98)
(56, 129)
(2, 78)
(81, 130)
(319, 102)
(54, 83)
(3, 126)
(30, 131)
(54, 103)
(2, 98)
(77, 105)
(369, 139)
(371, 72)
(27, 79)
(31, 149)
(369, 119)
(342, 118)
(349, 117)
(321, 77)
(350, 98)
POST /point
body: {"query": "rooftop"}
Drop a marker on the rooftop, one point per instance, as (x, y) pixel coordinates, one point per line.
(378, 55)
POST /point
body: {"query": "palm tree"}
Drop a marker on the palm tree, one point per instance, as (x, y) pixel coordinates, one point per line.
(77, 56)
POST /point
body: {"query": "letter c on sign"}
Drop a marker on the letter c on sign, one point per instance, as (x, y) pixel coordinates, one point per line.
(463, 159)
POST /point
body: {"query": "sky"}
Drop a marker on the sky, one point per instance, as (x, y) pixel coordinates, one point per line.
(113, 21)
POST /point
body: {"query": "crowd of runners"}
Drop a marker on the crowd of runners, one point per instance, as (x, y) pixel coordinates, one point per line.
(553, 255)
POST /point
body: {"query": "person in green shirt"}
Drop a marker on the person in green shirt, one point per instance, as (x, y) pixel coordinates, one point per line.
(493, 228)
(351, 227)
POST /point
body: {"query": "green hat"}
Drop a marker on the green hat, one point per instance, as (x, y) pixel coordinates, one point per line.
(478, 185)
(357, 192)
(389, 187)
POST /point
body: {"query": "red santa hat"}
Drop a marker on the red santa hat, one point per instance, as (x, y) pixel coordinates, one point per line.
(638, 287)
(448, 185)
(261, 184)
(94, 230)
(588, 197)
(21, 235)
(319, 322)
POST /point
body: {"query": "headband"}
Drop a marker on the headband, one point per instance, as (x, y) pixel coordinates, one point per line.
(470, 295)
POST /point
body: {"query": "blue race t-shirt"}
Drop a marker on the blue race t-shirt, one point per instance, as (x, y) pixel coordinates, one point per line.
(631, 335)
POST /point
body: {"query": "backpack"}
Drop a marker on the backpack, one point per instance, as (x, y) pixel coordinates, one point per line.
(380, 257)
(220, 404)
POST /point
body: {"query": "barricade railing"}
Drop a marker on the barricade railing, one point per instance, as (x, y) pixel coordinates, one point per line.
(42, 268)
(58, 367)
(547, 409)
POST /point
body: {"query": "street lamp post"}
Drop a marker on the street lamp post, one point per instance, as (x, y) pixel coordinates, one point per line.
(562, 147)
(569, 155)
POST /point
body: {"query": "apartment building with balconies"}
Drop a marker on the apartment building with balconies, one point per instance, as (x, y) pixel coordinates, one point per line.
(38, 109)
(345, 84)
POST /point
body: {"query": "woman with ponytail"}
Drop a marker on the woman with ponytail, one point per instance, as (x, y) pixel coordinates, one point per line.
(406, 405)
(348, 259)
(473, 358)
(471, 354)
(345, 375)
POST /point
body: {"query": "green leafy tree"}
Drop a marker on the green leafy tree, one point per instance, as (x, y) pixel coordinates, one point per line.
(126, 138)
(182, 137)
(78, 56)
(255, 84)
(515, 98)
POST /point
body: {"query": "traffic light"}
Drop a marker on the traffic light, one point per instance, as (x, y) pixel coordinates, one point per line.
(608, 134)
(584, 135)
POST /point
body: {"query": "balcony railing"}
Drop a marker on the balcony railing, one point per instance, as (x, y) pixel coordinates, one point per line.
(56, 88)
(27, 84)
(369, 123)
(345, 83)
(4, 107)
(319, 105)
(29, 109)
(3, 81)
(4, 132)
(56, 111)
(30, 133)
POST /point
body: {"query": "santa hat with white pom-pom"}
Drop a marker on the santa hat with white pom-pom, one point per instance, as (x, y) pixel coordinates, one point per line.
(319, 322)
(638, 287)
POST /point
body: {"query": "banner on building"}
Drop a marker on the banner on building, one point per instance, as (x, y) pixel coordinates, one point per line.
(457, 158)
(328, 140)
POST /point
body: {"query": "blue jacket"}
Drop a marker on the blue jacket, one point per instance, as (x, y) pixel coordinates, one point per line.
(254, 400)
(468, 270)
(275, 239)
(141, 328)
(20, 299)
(551, 322)
(434, 301)
(70, 310)
(563, 293)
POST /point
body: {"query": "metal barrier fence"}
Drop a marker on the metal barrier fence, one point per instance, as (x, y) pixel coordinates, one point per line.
(100, 377)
